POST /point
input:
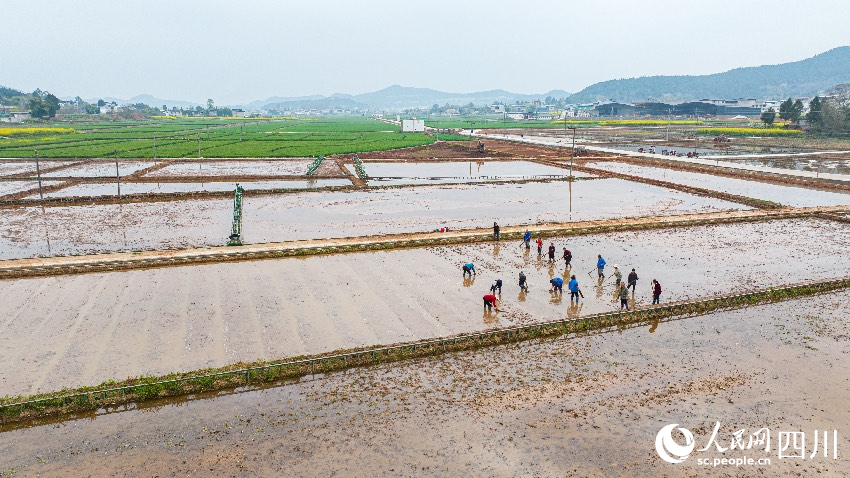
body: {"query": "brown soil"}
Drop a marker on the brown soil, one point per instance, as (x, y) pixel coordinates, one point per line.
(589, 406)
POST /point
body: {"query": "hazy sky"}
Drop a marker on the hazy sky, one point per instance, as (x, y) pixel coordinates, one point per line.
(241, 50)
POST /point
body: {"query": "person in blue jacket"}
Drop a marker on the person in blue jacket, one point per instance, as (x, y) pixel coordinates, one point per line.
(469, 269)
(557, 285)
(574, 290)
(526, 238)
(600, 267)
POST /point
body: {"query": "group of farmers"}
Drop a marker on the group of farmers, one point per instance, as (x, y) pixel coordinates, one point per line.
(621, 288)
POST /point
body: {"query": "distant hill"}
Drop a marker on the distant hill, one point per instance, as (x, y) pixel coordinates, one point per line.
(800, 78)
(316, 104)
(400, 97)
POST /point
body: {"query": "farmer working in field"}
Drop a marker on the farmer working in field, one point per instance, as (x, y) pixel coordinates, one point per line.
(469, 269)
(624, 297)
(656, 292)
(600, 267)
(526, 238)
(491, 301)
(557, 285)
(568, 257)
(523, 284)
(497, 285)
(574, 290)
(552, 252)
(633, 278)
(619, 276)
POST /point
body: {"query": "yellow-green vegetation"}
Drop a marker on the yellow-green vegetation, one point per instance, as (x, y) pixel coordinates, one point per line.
(750, 131)
(34, 130)
(219, 137)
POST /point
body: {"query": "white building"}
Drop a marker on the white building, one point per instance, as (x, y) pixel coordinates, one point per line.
(14, 116)
(412, 125)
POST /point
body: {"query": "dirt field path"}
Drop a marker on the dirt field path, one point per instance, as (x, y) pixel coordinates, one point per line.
(39, 267)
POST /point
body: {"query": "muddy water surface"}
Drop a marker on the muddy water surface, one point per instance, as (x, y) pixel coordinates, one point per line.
(11, 187)
(234, 168)
(152, 188)
(28, 232)
(790, 196)
(587, 406)
(458, 169)
(101, 168)
(82, 330)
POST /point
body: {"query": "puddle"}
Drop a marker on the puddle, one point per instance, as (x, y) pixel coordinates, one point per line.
(235, 168)
(100, 169)
(80, 330)
(27, 232)
(153, 188)
(787, 195)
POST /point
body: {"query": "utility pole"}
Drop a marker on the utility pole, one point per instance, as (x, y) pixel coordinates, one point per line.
(574, 152)
(199, 145)
(154, 146)
(117, 174)
(38, 173)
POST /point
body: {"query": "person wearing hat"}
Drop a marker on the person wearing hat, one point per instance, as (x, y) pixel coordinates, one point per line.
(618, 275)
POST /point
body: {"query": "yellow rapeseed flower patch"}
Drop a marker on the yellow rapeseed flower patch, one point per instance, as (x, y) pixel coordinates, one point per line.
(24, 130)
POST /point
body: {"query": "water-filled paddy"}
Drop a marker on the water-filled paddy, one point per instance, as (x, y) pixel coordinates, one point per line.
(93, 327)
(31, 231)
(101, 189)
(787, 195)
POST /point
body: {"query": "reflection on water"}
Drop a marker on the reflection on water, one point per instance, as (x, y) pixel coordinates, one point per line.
(468, 281)
(653, 326)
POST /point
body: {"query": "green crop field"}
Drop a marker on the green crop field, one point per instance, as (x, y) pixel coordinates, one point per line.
(219, 138)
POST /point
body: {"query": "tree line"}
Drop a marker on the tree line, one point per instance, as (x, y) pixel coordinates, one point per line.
(829, 115)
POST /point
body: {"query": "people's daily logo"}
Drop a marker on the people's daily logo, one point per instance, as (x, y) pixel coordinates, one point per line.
(668, 449)
(745, 449)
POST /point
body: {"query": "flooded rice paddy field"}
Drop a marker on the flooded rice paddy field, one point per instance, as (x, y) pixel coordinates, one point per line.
(82, 330)
(20, 167)
(101, 168)
(822, 165)
(12, 187)
(296, 167)
(582, 406)
(31, 231)
(458, 169)
(104, 189)
(789, 196)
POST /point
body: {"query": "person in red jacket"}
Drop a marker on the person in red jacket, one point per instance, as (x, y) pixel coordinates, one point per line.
(656, 292)
(490, 301)
(539, 246)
